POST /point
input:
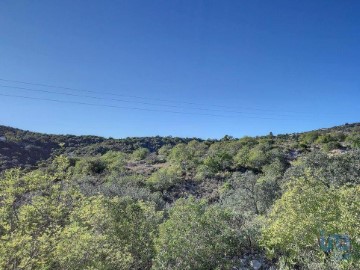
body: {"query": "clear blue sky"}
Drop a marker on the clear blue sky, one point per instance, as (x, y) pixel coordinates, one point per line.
(287, 66)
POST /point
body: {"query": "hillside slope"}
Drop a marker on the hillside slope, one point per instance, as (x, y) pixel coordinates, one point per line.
(21, 148)
(144, 203)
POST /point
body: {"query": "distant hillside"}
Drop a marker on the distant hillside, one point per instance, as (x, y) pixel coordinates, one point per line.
(21, 148)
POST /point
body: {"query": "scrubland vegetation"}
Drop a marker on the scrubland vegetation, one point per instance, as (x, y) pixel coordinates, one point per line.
(171, 203)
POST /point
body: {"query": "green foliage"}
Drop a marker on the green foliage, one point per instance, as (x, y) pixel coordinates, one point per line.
(187, 156)
(195, 237)
(218, 161)
(136, 226)
(140, 154)
(89, 240)
(90, 166)
(309, 137)
(306, 208)
(204, 172)
(334, 170)
(164, 151)
(101, 210)
(164, 178)
(242, 157)
(332, 145)
(110, 162)
(115, 161)
(245, 194)
(248, 141)
(325, 138)
(46, 223)
(259, 156)
(105, 233)
(354, 140)
(33, 210)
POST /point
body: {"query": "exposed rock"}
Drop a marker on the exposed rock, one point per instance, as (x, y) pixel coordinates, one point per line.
(255, 264)
(243, 261)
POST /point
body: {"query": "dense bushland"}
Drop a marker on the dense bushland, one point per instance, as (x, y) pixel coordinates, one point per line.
(186, 204)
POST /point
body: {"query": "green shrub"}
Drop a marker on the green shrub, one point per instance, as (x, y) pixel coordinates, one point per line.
(308, 206)
(115, 161)
(331, 146)
(354, 140)
(195, 237)
(164, 178)
(90, 166)
(309, 137)
(140, 154)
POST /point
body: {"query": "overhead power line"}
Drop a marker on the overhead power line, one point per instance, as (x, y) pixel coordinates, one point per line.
(128, 101)
(143, 98)
(104, 105)
(130, 108)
